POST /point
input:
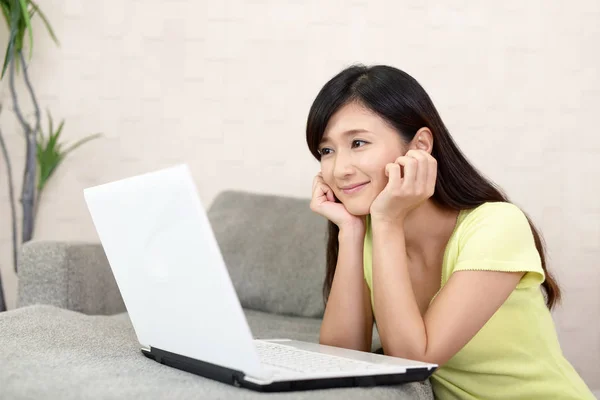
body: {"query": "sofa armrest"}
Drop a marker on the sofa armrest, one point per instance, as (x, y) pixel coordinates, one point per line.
(71, 275)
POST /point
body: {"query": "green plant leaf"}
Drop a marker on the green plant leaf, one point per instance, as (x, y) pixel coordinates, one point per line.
(80, 142)
(48, 159)
(25, 13)
(50, 122)
(45, 20)
(6, 11)
(19, 40)
(18, 15)
(6, 59)
(14, 25)
(48, 164)
(49, 151)
(41, 139)
(52, 141)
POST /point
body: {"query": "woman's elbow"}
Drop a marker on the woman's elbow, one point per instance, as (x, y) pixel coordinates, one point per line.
(417, 356)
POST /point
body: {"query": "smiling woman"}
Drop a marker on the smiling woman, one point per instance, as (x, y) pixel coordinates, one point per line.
(420, 242)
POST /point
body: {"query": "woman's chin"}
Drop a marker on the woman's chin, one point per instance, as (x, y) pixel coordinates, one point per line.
(357, 210)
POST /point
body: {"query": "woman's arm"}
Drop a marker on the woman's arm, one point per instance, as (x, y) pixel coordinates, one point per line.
(464, 305)
(348, 319)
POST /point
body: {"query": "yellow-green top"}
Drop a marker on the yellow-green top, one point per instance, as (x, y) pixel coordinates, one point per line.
(516, 355)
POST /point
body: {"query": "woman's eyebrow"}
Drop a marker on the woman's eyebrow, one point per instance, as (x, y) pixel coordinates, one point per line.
(325, 139)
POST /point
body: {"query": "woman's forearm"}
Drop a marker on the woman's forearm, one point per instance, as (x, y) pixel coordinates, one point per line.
(348, 320)
(399, 321)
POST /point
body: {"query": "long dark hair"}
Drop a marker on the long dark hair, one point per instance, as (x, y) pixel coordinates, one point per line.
(400, 100)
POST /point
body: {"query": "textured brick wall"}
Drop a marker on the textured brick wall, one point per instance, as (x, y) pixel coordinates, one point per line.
(226, 86)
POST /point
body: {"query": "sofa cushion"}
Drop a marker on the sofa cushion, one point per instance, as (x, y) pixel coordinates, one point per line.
(71, 275)
(274, 249)
(52, 353)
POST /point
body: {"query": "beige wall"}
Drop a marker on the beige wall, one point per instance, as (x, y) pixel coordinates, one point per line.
(226, 87)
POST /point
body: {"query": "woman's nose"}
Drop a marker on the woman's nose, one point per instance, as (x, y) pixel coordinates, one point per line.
(343, 167)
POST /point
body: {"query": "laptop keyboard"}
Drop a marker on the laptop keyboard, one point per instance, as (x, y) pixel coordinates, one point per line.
(302, 361)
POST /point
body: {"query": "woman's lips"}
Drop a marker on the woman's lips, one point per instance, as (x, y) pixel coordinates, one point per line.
(355, 189)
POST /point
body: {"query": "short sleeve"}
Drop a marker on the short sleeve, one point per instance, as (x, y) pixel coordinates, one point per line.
(497, 237)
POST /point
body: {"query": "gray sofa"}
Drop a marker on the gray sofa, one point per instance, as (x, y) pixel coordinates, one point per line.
(70, 336)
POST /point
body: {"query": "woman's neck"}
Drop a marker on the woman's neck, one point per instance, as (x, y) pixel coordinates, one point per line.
(428, 227)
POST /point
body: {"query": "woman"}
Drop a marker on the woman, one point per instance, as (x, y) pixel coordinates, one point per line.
(421, 243)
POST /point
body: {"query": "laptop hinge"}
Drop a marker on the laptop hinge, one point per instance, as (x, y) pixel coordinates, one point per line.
(202, 368)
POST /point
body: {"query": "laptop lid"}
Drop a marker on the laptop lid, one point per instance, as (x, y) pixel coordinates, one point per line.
(169, 268)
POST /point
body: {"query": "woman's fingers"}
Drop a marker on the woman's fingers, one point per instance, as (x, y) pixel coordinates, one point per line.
(394, 176)
(321, 189)
(318, 179)
(410, 167)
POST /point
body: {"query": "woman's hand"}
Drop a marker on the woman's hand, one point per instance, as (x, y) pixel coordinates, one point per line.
(404, 193)
(323, 203)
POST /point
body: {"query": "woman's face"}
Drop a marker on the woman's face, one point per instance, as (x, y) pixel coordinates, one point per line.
(356, 146)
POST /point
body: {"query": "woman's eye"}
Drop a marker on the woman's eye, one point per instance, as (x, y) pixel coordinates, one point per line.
(326, 150)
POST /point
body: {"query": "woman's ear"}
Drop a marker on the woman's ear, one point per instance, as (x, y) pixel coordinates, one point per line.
(423, 140)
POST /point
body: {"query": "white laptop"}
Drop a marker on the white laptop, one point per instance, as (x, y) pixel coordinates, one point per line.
(183, 305)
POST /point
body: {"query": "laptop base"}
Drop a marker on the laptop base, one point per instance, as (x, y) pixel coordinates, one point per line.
(236, 378)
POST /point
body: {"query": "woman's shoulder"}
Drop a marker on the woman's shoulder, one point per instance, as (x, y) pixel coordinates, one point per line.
(493, 224)
(495, 207)
(495, 236)
(493, 212)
